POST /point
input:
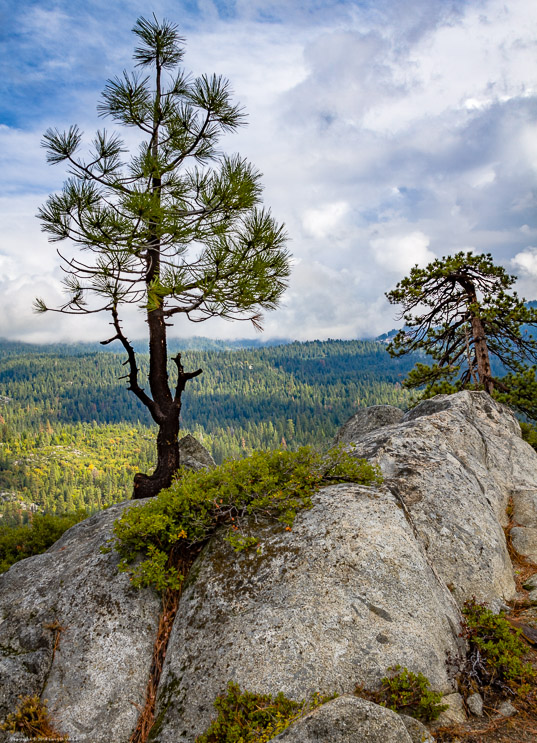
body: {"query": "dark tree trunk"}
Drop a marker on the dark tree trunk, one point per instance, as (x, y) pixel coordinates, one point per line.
(165, 412)
(479, 338)
(484, 371)
(165, 409)
(146, 486)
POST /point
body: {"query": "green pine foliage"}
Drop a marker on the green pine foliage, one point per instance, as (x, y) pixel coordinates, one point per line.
(529, 433)
(520, 392)
(171, 225)
(496, 651)
(461, 312)
(266, 485)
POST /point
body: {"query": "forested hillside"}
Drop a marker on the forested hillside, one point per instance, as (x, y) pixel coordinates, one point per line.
(72, 436)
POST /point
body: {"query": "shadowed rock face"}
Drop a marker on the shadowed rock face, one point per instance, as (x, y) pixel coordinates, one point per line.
(368, 578)
(100, 667)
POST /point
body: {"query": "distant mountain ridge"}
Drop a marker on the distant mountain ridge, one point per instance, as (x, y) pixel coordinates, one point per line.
(196, 343)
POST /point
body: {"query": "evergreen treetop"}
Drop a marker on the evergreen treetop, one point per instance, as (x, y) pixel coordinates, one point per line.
(460, 311)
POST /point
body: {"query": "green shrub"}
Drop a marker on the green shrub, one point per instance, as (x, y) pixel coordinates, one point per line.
(18, 542)
(407, 693)
(496, 650)
(268, 485)
(245, 717)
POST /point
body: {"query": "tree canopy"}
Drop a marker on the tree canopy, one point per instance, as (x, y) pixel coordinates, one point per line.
(460, 310)
(174, 227)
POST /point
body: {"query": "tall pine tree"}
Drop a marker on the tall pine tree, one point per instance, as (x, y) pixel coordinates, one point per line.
(175, 227)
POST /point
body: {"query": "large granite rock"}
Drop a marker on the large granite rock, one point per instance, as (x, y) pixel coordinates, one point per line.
(98, 672)
(347, 720)
(344, 596)
(453, 463)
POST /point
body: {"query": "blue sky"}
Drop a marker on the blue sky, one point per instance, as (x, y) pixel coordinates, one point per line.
(388, 133)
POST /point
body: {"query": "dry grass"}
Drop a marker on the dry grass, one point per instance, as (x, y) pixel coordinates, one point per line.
(31, 720)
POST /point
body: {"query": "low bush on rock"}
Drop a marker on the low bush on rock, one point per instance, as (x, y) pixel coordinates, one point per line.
(32, 721)
(496, 652)
(529, 433)
(267, 485)
(246, 717)
(407, 693)
(19, 542)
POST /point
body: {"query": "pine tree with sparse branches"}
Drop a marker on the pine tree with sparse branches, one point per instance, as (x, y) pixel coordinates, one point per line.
(175, 228)
(459, 310)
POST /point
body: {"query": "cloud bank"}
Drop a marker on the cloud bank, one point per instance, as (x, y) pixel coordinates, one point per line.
(388, 135)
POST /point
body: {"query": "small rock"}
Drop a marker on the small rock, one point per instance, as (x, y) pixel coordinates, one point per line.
(524, 540)
(532, 596)
(454, 713)
(525, 507)
(531, 582)
(475, 704)
(193, 455)
(417, 730)
(506, 709)
(347, 720)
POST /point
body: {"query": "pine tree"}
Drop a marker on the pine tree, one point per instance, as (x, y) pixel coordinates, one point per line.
(177, 228)
(460, 312)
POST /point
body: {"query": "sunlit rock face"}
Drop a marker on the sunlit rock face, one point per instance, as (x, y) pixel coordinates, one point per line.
(368, 578)
(453, 463)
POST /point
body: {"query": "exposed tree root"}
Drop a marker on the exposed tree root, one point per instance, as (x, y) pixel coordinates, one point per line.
(170, 604)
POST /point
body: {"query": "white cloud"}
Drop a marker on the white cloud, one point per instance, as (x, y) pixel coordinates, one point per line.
(526, 261)
(322, 222)
(399, 253)
(472, 63)
(387, 134)
(330, 300)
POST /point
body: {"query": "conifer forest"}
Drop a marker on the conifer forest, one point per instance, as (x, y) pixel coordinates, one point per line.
(72, 437)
